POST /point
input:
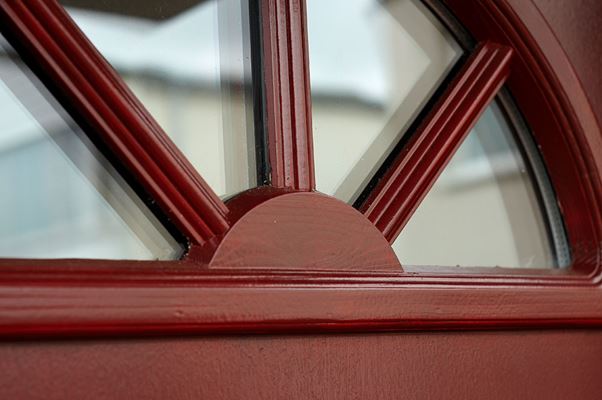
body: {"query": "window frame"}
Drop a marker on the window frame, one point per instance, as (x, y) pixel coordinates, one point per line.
(61, 298)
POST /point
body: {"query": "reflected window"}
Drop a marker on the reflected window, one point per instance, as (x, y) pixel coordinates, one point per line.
(372, 69)
(484, 209)
(60, 197)
(189, 63)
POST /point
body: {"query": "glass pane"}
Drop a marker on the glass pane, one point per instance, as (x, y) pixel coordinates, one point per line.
(483, 210)
(373, 65)
(60, 197)
(189, 63)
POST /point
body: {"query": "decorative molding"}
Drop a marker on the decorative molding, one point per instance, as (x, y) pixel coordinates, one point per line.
(63, 298)
(287, 97)
(548, 93)
(303, 231)
(184, 301)
(415, 170)
(88, 86)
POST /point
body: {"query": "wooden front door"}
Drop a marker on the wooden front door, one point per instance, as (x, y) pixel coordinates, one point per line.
(285, 292)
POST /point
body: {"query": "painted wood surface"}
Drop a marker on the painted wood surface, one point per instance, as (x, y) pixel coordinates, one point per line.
(555, 105)
(99, 100)
(74, 298)
(69, 302)
(495, 365)
(303, 231)
(58, 298)
(416, 168)
(573, 27)
(287, 98)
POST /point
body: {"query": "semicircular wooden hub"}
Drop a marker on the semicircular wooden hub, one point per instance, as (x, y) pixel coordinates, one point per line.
(301, 230)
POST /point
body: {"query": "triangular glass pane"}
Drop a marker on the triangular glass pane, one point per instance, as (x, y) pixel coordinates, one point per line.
(373, 66)
(189, 63)
(60, 197)
(484, 209)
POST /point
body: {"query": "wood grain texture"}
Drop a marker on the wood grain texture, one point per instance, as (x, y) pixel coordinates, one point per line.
(417, 167)
(91, 90)
(304, 231)
(502, 365)
(287, 98)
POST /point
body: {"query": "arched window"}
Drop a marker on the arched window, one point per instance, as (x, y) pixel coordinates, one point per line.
(292, 172)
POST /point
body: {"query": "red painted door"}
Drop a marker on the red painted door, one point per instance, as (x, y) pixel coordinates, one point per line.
(287, 293)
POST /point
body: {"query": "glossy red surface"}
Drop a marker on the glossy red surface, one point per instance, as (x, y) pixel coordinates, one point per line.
(288, 109)
(67, 300)
(77, 306)
(71, 298)
(419, 164)
(91, 89)
(552, 100)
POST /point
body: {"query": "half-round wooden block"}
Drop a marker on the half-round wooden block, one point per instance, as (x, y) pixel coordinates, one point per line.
(301, 230)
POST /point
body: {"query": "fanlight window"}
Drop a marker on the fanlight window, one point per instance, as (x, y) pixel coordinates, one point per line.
(378, 72)
(484, 210)
(372, 70)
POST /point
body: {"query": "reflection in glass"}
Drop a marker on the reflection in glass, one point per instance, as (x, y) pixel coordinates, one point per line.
(372, 68)
(60, 197)
(188, 61)
(483, 210)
